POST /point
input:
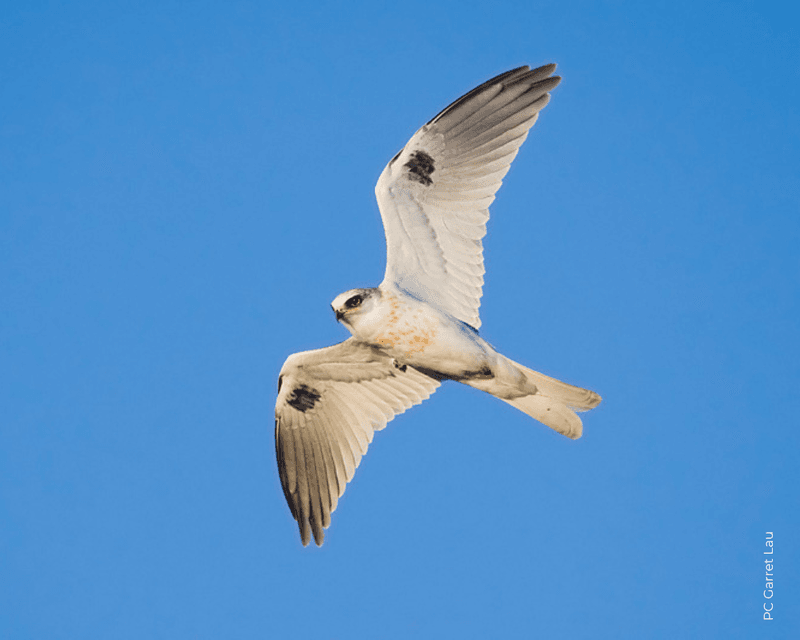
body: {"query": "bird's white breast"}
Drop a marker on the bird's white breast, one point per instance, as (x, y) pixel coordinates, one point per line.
(400, 325)
(415, 333)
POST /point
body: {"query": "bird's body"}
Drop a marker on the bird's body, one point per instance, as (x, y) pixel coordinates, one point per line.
(420, 326)
(419, 335)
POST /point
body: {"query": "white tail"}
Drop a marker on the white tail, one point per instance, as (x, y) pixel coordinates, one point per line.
(556, 403)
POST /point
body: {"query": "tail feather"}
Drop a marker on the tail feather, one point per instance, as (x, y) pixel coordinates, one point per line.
(549, 412)
(575, 398)
(555, 403)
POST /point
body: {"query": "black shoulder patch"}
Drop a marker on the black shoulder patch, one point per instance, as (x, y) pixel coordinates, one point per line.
(484, 373)
(303, 398)
(397, 365)
(420, 167)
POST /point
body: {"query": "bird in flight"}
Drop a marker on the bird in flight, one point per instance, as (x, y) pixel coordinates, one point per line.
(420, 326)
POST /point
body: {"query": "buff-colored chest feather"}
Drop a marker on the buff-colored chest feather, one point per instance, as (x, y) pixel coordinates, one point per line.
(405, 328)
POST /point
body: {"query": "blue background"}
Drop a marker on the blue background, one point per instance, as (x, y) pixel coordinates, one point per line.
(184, 187)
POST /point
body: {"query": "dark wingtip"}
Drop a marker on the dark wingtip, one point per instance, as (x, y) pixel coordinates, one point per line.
(305, 533)
(319, 534)
(510, 77)
(545, 69)
(479, 88)
(551, 82)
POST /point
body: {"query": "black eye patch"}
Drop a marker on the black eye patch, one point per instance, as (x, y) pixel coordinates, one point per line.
(353, 302)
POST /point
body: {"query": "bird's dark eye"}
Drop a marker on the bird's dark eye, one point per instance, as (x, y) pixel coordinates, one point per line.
(353, 302)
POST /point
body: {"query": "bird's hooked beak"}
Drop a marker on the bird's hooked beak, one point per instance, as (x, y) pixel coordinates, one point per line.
(339, 314)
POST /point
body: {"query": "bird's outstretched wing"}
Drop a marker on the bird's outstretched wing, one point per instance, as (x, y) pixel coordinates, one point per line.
(434, 195)
(330, 401)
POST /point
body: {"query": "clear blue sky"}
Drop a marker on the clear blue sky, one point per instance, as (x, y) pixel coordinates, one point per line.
(184, 187)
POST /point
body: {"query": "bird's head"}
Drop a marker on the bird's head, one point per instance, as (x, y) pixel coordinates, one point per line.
(352, 305)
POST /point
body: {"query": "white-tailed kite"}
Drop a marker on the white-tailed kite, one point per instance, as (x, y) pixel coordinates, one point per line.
(420, 326)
